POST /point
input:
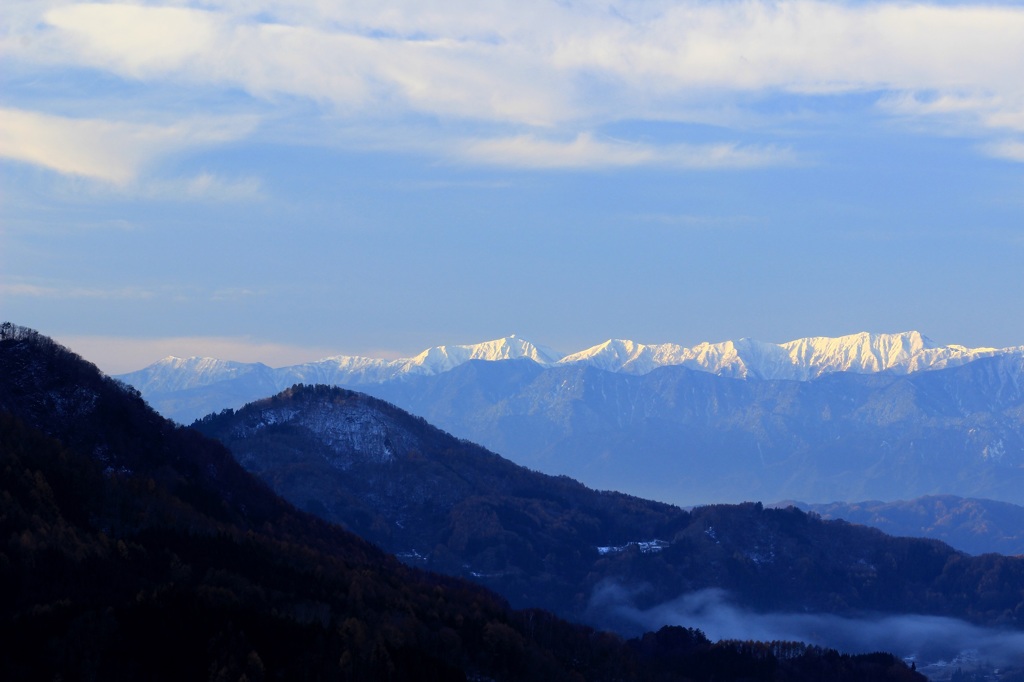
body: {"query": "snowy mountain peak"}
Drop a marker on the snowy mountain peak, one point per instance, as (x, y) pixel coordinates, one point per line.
(726, 358)
(799, 360)
(177, 374)
(903, 352)
(861, 352)
(443, 358)
(613, 355)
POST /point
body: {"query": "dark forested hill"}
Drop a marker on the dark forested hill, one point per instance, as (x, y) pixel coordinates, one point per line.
(548, 541)
(135, 549)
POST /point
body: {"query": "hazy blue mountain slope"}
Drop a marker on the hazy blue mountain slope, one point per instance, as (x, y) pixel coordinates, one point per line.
(187, 388)
(972, 525)
(691, 437)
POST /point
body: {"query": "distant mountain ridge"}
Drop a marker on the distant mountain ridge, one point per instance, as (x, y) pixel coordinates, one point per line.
(174, 373)
(689, 437)
(854, 418)
(798, 360)
(971, 525)
(186, 389)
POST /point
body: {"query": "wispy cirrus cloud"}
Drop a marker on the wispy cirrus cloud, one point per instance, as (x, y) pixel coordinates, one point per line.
(545, 70)
(1011, 150)
(23, 289)
(55, 289)
(999, 117)
(204, 187)
(961, 112)
(805, 46)
(353, 69)
(460, 51)
(107, 150)
(587, 151)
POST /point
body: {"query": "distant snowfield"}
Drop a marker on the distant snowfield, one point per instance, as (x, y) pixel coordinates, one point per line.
(798, 360)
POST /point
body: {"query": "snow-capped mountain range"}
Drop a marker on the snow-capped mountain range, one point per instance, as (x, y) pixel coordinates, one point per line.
(798, 360)
(865, 416)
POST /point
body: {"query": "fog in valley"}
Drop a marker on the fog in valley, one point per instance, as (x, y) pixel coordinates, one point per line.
(921, 638)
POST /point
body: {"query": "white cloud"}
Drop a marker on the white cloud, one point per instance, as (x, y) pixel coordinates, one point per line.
(802, 46)
(1011, 150)
(233, 294)
(352, 71)
(134, 39)
(22, 289)
(492, 62)
(111, 151)
(204, 187)
(534, 152)
(540, 64)
(530, 151)
(31, 290)
(959, 111)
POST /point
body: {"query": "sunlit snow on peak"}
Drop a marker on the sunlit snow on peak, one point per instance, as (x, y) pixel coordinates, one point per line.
(798, 360)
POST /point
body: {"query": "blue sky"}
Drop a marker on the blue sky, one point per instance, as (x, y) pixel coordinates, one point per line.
(284, 180)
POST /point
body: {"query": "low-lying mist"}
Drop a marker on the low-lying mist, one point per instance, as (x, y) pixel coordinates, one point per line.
(926, 639)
